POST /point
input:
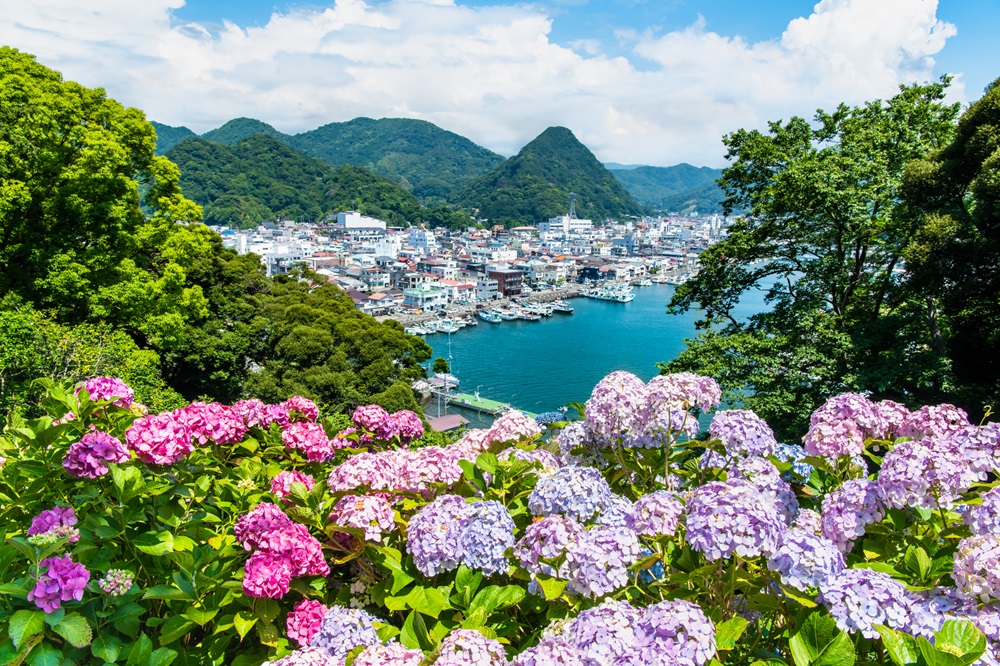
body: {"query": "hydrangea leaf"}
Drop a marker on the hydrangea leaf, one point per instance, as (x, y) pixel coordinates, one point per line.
(75, 629)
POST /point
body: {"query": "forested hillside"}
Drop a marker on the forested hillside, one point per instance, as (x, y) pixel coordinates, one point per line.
(167, 137)
(681, 188)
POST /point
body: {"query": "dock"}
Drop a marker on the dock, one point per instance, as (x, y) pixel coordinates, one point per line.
(480, 404)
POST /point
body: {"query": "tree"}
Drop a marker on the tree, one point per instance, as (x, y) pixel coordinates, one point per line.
(825, 237)
(440, 366)
(954, 258)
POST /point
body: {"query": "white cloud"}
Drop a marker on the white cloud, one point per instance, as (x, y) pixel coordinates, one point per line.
(492, 74)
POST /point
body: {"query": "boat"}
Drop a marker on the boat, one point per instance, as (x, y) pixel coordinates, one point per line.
(538, 309)
(415, 330)
(448, 326)
(644, 282)
(529, 316)
(561, 306)
(619, 292)
(508, 315)
(489, 315)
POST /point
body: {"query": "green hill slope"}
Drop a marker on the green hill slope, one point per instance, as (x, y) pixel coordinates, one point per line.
(260, 179)
(242, 128)
(535, 184)
(167, 137)
(652, 186)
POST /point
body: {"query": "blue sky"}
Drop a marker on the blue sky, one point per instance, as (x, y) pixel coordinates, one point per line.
(638, 81)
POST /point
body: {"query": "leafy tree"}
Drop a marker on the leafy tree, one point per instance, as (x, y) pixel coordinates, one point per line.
(440, 366)
(825, 236)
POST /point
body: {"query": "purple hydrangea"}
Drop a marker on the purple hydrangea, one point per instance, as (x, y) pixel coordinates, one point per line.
(434, 534)
(985, 518)
(847, 510)
(88, 458)
(762, 473)
(392, 654)
(711, 459)
(408, 425)
(926, 473)
(308, 656)
(858, 599)
(375, 471)
(344, 629)
(892, 414)
(605, 633)
(685, 390)
(977, 567)
(615, 511)
(656, 514)
(743, 433)
(617, 405)
(107, 388)
(59, 579)
(488, 533)
(578, 492)
(551, 652)
(982, 447)
(548, 460)
(597, 562)
(468, 647)
(808, 520)
(663, 427)
(805, 560)
(854, 408)
(674, 632)
(546, 539)
(834, 439)
(573, 436)
(58, 521)
(733, 517)
(934, 421)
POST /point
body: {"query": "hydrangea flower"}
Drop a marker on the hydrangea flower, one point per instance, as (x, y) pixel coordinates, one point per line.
(371, 513)
(377, 471)
(159, 439)
(928, 473)
(804, 559)
(743, 433)
(308, 656)
(408, 425)
(578, 492)
(684, 389)
(299, 547)
(858, 599)
(981, 445)
(513, 426)
(977, 567)
(934, 421)
(663, 427)
(282, 482)
(656, 514)
(551, 652)
(392, 654)
(344, 629)
(854, 408)
(892, 414)
(308, 437)
(369, 417)
(88, 458)
(604, 633)
(985, 518)
(297, 406)
(762, 473)
(614, 513)
(548, 460)
(546, 539)
(107, 388)
(434, 534)
(809, 521)
(59, 579)
(675, 632)
(58, 521)
(617, 405)
(267, 575)
(847, 510)
(486, 536)
(255, 414)
(468, 647)
(833, 439)
(115, 582)
(211, 422)
(253, 526)
(730, 517)
(573, 436)
(597, 562)
(305, 620)
(793, 453)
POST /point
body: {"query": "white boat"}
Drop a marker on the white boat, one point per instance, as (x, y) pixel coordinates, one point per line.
(508, 315)
(611, 291)
(490, 316)
(645, 282)
(561, 306)
(448, 326)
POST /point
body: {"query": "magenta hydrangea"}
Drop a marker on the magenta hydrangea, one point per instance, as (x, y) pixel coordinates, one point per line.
(252, 527)
(733, 517)
(656, 514)
(267, 575)
(371, 513)
(369, 417)
(59, 521)
(468, 647)
(212, 422)
(977, 567)
(295, 543)
(299, 408)
(107, 388)
(304, 620)
(685, 390)
(308, 437)
(617, 405)
(159, 439)
(282, 482)
(934, 421)
(848, 510)
(255, 413)
(88, 458)
(59, 579)
(743, 433)
(408, 425)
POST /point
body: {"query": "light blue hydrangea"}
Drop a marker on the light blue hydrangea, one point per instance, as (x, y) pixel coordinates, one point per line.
(805, 560)
(577, 492)
(434, 534)
(858, 599)
(344, 629)
(487, 534)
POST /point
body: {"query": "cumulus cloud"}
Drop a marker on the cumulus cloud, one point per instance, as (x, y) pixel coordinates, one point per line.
(492, 74)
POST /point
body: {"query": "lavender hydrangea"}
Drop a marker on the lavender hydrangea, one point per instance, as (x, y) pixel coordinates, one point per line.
(977, 567)
(927, 473)
(344, 629)
(934, 421)
(615, 511)
(808, 520)
(685, 390)
(762, 473)
(578, 492)
(656, 514)
(805, 560)
(308, 656)
(793, 453)
(573, 436)
(486, 536)
(847, 510)
(743, 433)
(858, 599)
(371, 513)
(981, 445)
(392, 654)
(597, 562)
(376, 471)
(468, 647)
(663, 427)
(733, 517)
(892, 414)
(605, 633)
(551, 652)
(88, 458)
(546, 539)
(513, 426)
(617, 405)
(675, 632)
(985, 518)
(854, 408)
(434, 535)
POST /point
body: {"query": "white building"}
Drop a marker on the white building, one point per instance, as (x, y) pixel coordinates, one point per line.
(351, 219)
(565, 225)
(425, 297)
(487, 289)
(423, 241)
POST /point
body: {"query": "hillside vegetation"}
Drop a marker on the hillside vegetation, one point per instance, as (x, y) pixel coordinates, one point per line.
(681, 188)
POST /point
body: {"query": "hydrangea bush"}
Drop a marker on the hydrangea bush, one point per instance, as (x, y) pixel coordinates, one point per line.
(258, 533)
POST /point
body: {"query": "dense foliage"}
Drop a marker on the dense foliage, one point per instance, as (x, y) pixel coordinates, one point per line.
(535, 184)
(228, 535)
(680, 188)
(238, 129)
(825, 235)
(167, 137)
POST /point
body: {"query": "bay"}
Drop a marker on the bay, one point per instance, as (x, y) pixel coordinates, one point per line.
(539, 366)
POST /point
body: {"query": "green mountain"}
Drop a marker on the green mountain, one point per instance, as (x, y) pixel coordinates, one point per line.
(242, 128)
(681, 188)
(418, 155)
(259, 179)
(536, 183)
(167, 137)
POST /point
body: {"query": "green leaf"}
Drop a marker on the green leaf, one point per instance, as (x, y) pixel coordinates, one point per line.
(467, 581)
(45, 655)
(14, 589)
(552, 588)
(141, 649)
(427, 600)
(107, 648)
(129, 610)
(935, 657)
(75, 629)
(917, 560)
(155, 543)
(166, 592)
(200, 616)
(174, 628)
(819, 642)
(487, 462)
(162, 657)
(495, 597)
(961, 638)
(244, 621)
(414, 634)
(24, 624)
(901, 647)
(727, 633)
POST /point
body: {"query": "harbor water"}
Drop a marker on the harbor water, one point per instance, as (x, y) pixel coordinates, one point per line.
(539, 366)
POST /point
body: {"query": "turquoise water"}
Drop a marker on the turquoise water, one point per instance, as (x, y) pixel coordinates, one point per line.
(539, 366)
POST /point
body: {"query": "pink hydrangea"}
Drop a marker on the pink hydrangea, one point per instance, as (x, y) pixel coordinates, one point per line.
(392, 654)
(934, 421)
(684, 389)
(304, 621)
(60, 579)
(855, 408)
(282, 482)
(369, 417)
(159, 439)
(297, 406)
(377, 471)
(308, 437)
(408, 425)
(251, 527)
(212, 422)
(267, 575)
(513, 426)
(371, 513)
(893, 414)
(294, 543)
(278, 414)
(833, 440)
(89, 457)
(107, 388)
(618, 404)
(58, 519)
(420, 468)
(253, 412)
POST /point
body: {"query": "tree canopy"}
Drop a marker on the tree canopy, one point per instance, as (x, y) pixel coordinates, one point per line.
(825, 235)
